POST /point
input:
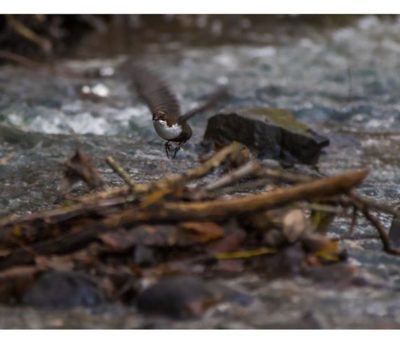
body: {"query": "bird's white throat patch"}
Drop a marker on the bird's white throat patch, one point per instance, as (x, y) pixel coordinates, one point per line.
(165, 131)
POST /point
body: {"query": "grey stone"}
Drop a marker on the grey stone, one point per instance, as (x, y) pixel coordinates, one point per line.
(272, 133)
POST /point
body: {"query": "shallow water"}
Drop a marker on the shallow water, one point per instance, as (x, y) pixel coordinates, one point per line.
(340, 79)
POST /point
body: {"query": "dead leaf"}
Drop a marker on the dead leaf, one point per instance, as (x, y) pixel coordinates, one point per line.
(119, 240)
(154, 197)
(81, 168)
(230, 242)
(204, 231)
(329, 252)
(59, 263)
(245, 254)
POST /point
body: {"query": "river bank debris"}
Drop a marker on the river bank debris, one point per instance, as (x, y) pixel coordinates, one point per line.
(126, 238)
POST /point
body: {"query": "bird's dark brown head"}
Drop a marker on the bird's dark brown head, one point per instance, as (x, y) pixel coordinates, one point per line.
(159, 116)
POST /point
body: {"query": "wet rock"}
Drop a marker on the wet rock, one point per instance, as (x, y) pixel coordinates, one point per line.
(288, 261)
(58, 289)
(144, 256)
(18, 137)
(179, 297)
(272, 133)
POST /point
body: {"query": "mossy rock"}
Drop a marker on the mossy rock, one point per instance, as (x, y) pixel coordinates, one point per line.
(15, 136)
(272, 133)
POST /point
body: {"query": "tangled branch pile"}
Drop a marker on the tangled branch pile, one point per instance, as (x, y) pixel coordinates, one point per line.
(180, 223)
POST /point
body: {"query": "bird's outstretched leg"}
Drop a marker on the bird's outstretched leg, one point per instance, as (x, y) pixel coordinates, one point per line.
(172, 151)
(177, 148)
(168, 148)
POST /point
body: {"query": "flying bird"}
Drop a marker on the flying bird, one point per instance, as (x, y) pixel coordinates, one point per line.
(168, 121)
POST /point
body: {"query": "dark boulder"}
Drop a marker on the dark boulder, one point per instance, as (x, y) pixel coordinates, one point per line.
(179, 297)
(61, 290)
(187, 297)
(272, 133)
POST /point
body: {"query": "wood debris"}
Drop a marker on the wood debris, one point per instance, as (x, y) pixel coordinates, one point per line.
(181, 224)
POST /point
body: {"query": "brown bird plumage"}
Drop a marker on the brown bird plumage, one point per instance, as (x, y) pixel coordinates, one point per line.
(168, 121)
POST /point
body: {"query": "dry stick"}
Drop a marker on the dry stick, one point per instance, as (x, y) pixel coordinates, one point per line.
(257, 184)
(220, 209)
(353, 222)
(295, 178)
(57, 215)
(35, 65)
(224, 208)
(32, 64)
(364, 208)
(118, 169)
(115, 196)
(19, 59)
(180, 211)
(171, 183)
(208, 166)
(28, 34)
(172, 179)
(372, 204)
(248, 169)
(265, 175)
(285, 176)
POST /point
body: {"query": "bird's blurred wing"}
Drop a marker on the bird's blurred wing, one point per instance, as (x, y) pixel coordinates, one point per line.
(153, 90)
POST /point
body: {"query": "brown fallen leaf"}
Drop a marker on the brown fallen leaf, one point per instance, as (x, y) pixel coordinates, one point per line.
(59, 263)
(203, 231)
(120, 240)
(81, 168)
(228, 243)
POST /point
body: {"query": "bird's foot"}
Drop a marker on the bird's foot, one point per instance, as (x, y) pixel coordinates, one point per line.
(171, 151)
(167, 148)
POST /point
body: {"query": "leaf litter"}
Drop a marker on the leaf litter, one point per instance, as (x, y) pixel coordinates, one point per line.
(129, 244)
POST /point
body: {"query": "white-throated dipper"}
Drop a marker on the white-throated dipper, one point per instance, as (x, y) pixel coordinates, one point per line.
(168, 121)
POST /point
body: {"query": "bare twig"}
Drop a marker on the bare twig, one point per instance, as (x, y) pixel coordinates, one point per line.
(216, 160)
(28, 34)
(364, 208)
(249, 169)
(21, 60)
(285, 176)
(172, 182)
(117, 168)
(353, 222)
(222, 209)
(374, 205)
